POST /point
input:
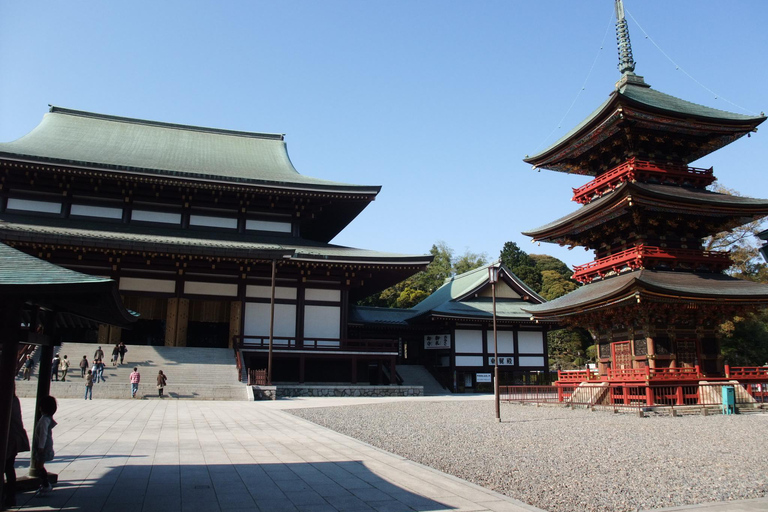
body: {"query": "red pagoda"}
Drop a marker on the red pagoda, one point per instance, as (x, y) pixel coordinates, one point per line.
(653, 297)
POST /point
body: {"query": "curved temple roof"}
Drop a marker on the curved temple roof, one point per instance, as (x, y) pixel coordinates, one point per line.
(634, 92)
(83, 138)
(673, 286)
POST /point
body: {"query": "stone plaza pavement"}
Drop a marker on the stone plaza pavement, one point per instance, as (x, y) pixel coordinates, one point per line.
(199, 456)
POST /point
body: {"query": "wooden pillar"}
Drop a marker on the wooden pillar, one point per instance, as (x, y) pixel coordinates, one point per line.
(10, 318)
(235, 321)
(302, 365)
(104, 334)
(170, 322)
(651, 352)
(354, 370)
(182, 322)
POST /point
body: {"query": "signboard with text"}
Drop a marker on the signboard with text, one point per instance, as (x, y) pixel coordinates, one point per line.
(503, 361)
(435, 341)
(483, 377)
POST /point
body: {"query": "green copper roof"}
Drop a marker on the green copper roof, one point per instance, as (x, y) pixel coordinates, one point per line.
(173, 242)
(83, 138)
(456, 296)
(29, 279)
(674, 286)
(637, 93)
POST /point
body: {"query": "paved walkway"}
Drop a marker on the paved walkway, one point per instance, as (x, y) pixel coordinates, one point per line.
(200, 456)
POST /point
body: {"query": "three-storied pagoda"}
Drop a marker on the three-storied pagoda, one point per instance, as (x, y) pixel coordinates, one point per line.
(653, 296)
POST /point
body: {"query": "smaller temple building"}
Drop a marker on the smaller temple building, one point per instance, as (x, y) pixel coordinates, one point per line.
(451, 331)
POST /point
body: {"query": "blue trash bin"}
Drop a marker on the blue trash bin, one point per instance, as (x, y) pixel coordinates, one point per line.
(729, 400)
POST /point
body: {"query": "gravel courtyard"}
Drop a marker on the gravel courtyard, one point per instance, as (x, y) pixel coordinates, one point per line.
(566, 460)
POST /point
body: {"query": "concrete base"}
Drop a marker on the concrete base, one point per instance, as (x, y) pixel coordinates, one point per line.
(296, 390)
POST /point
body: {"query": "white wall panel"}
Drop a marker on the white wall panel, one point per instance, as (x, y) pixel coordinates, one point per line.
(469, 341)
(530, 342)
(322, 322)
(28, 205)
(506, 341)
(257, 320)
(265, 292)
(322, 295)
(469, 360)
(531, 361)
(213, 222)
(268, 225)
(200, 288)
(103, 212)
(150, 216)
(137, 284)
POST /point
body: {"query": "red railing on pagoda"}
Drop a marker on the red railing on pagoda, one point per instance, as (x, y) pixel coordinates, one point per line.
(642, 170)
(643, 256)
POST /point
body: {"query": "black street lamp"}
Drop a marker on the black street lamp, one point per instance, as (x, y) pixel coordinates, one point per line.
(493, 278)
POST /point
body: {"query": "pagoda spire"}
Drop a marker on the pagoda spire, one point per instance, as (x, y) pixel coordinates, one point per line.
(626, 61)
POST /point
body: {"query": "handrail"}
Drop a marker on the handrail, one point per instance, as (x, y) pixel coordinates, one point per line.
(634, 256)
(746, 372)
(627, 171)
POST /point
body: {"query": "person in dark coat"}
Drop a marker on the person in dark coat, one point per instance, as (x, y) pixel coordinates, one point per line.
(28, 364)
(55, 367)
(161, 382)
(83, 366)
(123, 350)
(17, 442)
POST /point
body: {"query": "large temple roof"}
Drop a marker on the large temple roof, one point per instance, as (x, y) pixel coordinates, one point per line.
(702, 202)
(655, 285)
(635, 101)
(72, 137)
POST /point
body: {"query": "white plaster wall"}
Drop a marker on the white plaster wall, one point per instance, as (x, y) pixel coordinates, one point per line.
(531, 361)
(268, 225)
(150, 216)
(469, 341)
(265, 292)
(28, 205)
(469, 360)
(257, 320)
(103, 212)
(220, 289)
(322, 295)
(213, 222)
(530, 342)
(137, 284)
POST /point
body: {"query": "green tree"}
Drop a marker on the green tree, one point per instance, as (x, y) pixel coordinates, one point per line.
(546, 262)
(744, 340)
(468, 261)
(554, 285)
(521, 264)
(568, 348)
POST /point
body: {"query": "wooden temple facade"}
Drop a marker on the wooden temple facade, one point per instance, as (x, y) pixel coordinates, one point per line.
(213, 237)
(653, 296)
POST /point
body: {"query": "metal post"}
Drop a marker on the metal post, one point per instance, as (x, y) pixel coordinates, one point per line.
(495, 357)
(271, 324)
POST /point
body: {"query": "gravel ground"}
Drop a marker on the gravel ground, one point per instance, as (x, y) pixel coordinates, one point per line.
(565, 460)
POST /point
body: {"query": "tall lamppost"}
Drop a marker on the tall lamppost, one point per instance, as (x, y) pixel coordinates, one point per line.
(493, 277)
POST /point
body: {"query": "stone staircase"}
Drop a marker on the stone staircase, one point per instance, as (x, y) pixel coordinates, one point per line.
(417, 375)
(193, 373)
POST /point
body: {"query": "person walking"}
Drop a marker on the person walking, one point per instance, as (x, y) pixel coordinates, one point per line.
(83, 366)
(161, 382)
(64, 368)
(135, 379)
(95, 371)
(99, 354)
(55, 367)
(89, 386)
(42, 441)
(123, 350)
(17, 442)
(28, 364)
(115, 354)
(100, 368)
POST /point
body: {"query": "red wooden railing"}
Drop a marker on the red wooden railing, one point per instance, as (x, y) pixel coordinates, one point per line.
(636, 396)
(635, 169)
(747, 372)
(643, 255)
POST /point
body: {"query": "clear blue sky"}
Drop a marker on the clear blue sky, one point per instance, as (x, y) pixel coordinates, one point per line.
(438, 101)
